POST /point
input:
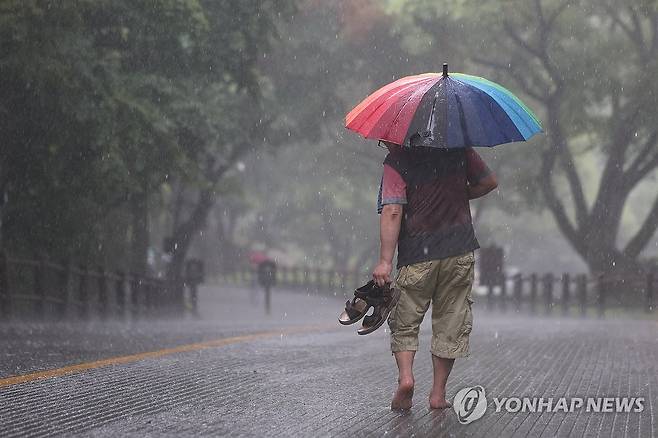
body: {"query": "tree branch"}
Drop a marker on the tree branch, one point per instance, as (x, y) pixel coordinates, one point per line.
(520, 41)
(634, 33)
(559, 142)
(646, 231)
(519, 78)
(554, 204)
(561, 148)
(654, 35)
(558, 11)
(643, 162)
(540, 53)
(574, 183)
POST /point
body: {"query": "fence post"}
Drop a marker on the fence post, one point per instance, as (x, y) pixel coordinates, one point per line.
(281, 276)
(503, 293)
(83, 293)
(153, 292)
(518, 290)
(165, 303)
(600, 296)
(65, 284)
(582, 294)
(102, 292)
(145, 284)
(650, 291)
(566, 286)
(319, 278)
(548, 292)
(533, 292)
(247, 275)
(39, 291)
(307, 278)
(294, 277)
(5, 304)
(490, 297)
(135, 292)
(120, 291)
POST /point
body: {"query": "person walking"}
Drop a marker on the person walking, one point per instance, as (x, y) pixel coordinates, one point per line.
(424, 206)
(430, 123)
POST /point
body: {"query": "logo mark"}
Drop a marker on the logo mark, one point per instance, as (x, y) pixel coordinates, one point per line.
(470, 404)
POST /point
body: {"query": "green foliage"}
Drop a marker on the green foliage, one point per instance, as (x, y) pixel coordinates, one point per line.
(106, 100)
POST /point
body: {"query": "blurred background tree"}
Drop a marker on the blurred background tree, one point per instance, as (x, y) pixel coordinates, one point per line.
(126, 125)
(106, 103)
(587, 67)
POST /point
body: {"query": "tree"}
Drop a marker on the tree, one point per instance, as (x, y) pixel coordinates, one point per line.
(107, 101)
(225, 117)
(83, 86)
(595, 95)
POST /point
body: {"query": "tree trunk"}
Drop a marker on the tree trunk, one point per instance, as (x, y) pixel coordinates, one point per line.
(183, 236)
(140, 232)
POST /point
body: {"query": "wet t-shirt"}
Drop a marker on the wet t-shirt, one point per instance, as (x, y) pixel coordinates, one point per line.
(431, 184)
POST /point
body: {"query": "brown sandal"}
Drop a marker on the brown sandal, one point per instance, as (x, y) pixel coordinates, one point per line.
(354, 311)
(367, 296)
(381, 312)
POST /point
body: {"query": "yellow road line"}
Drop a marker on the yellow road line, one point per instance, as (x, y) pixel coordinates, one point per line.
(39, 375)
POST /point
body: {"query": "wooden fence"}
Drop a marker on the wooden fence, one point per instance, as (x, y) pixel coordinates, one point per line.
(310, 279)
(565, 294)
(572, 294)
(41, 289)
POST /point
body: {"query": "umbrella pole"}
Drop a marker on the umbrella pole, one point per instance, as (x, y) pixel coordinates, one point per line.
(445, 69)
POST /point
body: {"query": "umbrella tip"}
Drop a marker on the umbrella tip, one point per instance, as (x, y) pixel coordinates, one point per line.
(445, 69)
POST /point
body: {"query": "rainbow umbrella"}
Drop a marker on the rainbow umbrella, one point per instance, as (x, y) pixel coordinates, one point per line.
(443, 110)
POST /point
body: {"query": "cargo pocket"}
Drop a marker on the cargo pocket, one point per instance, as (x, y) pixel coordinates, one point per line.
(463, 269)
(466, 329)
(468, 320)
(414, 276)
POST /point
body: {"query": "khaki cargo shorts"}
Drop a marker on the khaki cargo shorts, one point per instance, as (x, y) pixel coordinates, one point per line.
(446, 284)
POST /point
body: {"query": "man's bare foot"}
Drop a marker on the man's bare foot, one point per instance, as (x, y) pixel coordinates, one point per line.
(403, 395)
(438, 401)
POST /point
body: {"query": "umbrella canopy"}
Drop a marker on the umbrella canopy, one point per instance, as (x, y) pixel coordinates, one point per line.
(443, 110)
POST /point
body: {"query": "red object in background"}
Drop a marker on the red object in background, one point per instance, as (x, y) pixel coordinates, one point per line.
(257, 257)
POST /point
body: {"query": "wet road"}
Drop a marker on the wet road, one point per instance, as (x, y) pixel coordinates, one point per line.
(301, 374)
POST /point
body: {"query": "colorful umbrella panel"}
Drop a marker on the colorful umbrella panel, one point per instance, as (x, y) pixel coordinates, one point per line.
(445, 111)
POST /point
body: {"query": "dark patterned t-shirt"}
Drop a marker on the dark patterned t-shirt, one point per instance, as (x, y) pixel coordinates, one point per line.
(432, 186)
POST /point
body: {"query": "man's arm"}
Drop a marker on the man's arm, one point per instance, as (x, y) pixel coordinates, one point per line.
(483, 186)
(389, 230)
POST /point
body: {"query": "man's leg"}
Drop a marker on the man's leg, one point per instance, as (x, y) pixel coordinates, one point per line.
(452, 321)
(405, 392)
(404, 322)
(442, 368)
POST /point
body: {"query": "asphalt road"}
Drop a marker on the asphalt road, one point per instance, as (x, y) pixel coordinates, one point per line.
(299, 373)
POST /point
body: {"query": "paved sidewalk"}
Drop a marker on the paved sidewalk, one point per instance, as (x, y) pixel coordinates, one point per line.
(223, 312)
(324, 383)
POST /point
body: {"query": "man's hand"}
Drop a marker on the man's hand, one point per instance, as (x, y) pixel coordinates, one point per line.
(382, 273)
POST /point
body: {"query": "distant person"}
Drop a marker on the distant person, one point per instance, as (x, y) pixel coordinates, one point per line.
(255, 259)
(425, 213)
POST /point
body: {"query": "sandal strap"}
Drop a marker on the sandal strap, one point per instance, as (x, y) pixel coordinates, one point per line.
(351, 309)
(379, 310)
(375, 301)
(372, 293)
